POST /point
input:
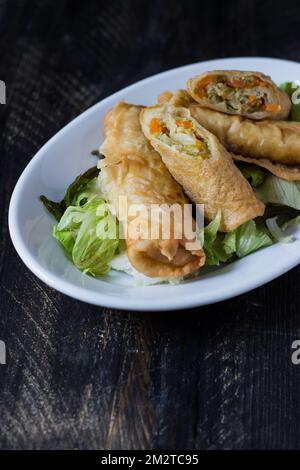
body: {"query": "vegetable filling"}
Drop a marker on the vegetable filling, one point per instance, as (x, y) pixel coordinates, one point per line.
(179, 133)
(246, 94)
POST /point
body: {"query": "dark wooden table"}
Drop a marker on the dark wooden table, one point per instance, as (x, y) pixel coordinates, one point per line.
(77, 376)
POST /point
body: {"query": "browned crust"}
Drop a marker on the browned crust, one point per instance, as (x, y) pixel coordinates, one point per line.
(164, 97)
(179, 98)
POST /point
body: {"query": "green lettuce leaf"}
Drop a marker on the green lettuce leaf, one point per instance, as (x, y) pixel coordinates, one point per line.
(81, 184)
(246, 239)
(55, 208)
(89, 235)
(97, 153)
(213, 243)
(278, 191)
(277, 231)
(291, 223)
(242, 241)
(293, 90)
(252, 173)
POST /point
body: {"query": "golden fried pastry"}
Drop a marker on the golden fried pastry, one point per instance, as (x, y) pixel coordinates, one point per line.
(202, 166)
(132, 168)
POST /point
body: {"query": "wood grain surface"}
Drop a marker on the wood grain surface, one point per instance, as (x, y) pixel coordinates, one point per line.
(77, 376)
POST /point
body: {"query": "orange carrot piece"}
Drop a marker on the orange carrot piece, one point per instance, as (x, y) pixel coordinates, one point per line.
(236, 83)
(199, 144)
(255, 82)
(272, 107)
(185, 124)
(251, 98)
(201, 85)
(155, 126)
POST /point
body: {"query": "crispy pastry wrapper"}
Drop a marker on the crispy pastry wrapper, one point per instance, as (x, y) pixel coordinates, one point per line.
(134, 170)
(182, 98)
(249, 94)
(289, 173)
(214, 180)
(179, 98)
(277, 141)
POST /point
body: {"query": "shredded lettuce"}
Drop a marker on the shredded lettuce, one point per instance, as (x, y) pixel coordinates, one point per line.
(277, 232)
(284, 197)
(291, 223)
(86, 229)
(242, 241)
(293, 90)
(89, 235)
(278, 191)
(246, 239)
(213, 243)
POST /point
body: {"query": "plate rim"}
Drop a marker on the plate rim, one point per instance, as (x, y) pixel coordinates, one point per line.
(106, 300)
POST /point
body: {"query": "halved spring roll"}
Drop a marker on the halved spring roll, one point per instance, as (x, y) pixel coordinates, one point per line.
(132, 168)
(287, 172)
(277, 141)
(201, 165)
(250, 94)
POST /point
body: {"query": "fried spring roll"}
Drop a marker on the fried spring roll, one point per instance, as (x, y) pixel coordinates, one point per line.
(249, 94)
(132, 168)
(287, 172)
(202, 166)
(277, 141)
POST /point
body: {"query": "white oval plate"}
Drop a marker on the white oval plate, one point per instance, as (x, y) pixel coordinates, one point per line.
(68, 153)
